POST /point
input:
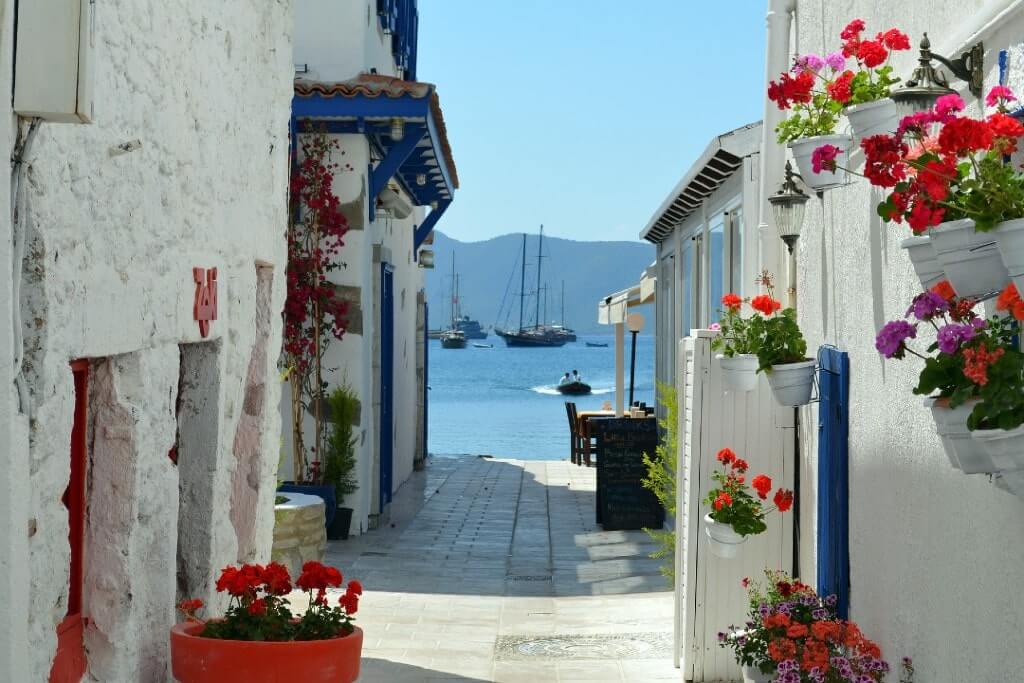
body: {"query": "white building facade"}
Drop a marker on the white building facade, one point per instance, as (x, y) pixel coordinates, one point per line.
(141, 284)
(355, 64)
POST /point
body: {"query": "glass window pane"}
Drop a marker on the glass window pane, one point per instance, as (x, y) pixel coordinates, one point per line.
(736, 247)
(716, 276)
(686, 294)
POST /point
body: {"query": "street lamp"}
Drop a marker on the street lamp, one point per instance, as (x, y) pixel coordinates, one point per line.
(927, 84)
(635, 323)
(788, 206)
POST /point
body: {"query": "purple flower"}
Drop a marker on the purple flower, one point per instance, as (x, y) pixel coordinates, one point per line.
(788, 677)
(836, 61)
(891, 339)
(809, 62)
(808, 600)
(864, 678)
(928, 305)
(820, 614)
(953, 336)
(721, 637)
(787, 665)
(783, 608)
(830, 600)
(764, 610)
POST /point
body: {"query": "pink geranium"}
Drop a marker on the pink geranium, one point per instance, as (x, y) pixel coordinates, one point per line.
(824, 157)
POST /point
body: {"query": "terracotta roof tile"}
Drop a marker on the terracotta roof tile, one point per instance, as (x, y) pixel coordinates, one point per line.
(376, 85)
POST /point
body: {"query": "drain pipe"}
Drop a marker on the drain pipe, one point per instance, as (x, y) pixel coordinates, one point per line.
(773, 155)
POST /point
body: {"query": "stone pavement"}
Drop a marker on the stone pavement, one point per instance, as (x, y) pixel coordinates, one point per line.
(494, 570)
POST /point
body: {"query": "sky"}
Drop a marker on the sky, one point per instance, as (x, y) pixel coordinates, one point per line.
(584, 114)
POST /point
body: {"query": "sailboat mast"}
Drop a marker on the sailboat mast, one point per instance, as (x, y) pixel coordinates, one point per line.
(563, 303)
(522, 284)
(452, 290)
(540, 255)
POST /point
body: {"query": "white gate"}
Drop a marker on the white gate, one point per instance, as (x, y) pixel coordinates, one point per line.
(709, 596)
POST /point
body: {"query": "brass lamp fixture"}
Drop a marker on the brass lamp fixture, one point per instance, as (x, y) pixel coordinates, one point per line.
(927, 84)
(788, 205)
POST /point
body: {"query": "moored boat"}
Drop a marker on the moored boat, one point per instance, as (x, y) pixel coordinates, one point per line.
(597, 345)
(453, 339)
(577, 388)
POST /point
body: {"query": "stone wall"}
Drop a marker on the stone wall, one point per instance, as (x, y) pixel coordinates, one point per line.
(299, 532)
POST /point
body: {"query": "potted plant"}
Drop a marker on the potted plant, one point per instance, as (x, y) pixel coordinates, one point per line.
(865, 91)
(781, 349)
(950, 377)
(259, 640)
(735, 514)
(792, 635)
(806, 91)
(738, 346)
(340, 457)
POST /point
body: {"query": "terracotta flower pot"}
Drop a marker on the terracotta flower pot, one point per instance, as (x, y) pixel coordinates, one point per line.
(207, 660)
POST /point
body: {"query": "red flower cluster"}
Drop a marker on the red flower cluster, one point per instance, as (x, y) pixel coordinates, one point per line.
(350, 600)
(732, 302)
(963, 136)
(1009, 300)
(789, 90)
(977, 361)
(317, 576)
(883, 156)
(765, 304)
(762, 484)
(839, 89)
(945, 290)
(871, 53)
(783, 500)
(190, 607)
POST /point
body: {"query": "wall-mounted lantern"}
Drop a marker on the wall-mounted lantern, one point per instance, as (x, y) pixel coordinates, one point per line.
(927, 84)
(788, 205)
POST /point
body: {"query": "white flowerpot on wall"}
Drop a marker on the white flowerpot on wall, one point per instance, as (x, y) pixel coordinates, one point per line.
(722, 540)
(970, 259)
(1009, 238)
(926, 263)
(791, 383)
(804, 148)
(739, 372)
(964, 452)
(873, 118)
(751, 674)
(1005, 447)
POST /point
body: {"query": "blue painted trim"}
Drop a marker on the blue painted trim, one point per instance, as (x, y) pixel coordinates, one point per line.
(426, 377)
(353, 108)
(387, 382)
(389, 165)
(833, 540)
(442, 162)
(421, 231)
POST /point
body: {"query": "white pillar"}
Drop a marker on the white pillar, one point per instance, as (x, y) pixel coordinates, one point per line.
(620, 348)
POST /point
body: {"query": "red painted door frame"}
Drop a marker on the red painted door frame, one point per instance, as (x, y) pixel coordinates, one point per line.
(69, 662)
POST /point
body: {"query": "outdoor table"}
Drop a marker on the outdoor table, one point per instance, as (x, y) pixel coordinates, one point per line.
(584, 417)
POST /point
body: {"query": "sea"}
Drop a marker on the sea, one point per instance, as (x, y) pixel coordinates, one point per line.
(502, 401)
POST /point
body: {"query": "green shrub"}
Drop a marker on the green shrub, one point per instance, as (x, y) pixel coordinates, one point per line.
(340, 451)
(661, 478)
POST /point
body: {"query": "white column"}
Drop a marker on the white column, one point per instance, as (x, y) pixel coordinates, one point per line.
(620, 348)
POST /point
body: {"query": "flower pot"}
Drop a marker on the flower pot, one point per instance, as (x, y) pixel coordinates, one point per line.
(739, 373)
(751, 674)
(1012, 481)
(722, 540)
(1005, 447)
(926, 264)
(791, 383)
(207, 660)
(804, 148)
(1009, 238)
(338, 529)
(964, 452)
(970, 259)
(325, 491)
(873, 118)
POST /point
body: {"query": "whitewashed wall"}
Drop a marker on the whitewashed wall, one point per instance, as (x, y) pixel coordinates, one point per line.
(108, 274)
(935, 555)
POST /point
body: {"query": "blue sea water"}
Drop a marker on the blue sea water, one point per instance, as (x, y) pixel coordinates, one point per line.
(502, 401)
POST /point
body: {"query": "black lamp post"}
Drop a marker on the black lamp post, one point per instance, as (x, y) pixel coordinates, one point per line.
(635, 323)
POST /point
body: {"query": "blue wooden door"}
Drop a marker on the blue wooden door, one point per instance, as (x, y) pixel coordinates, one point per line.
(426, 376)
(387, 382)
(834, 477)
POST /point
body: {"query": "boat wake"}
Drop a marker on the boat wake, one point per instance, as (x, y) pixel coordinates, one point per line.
(551, 390)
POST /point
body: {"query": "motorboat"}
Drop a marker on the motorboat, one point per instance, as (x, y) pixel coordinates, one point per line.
(483, 346)
(576, 388)
(453, 339)
(598, 345)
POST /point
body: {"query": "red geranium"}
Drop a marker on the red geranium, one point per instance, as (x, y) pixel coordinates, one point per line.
(732, 301)
(945, 290)
(725, 456)
(317, 576)
(765, 304)
(762, 484)
(894, 39)
(872, 53)
(789, 90)
(883, 160)
(839, 89)
(783, 500)
(731, 500)
(962, 136)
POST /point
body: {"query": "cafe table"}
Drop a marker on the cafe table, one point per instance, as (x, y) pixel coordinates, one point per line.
(584, 417)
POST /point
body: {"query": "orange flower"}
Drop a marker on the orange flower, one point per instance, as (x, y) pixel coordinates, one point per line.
(781, 648)
(777, 621)
(796, 631)
(825, 630)
(945, 290)
(1009, 300)
(815, 655)
(723, 499)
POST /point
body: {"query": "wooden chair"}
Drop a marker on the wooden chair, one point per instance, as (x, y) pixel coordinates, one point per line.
(575, 442)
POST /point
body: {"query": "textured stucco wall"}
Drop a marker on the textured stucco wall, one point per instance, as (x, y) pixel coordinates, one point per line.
(113, 239)
(935, 558)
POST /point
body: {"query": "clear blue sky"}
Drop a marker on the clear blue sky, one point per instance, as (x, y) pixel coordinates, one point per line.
(583, 114)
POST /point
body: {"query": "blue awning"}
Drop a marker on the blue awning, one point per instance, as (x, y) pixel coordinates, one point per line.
(419, 158)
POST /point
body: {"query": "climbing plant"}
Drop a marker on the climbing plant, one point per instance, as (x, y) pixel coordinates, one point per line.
(661, 478)
(313, 314)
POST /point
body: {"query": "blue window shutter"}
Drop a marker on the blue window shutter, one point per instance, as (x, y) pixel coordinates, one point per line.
(834, 477)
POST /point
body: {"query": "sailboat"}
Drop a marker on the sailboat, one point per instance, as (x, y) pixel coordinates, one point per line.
(453, 337)
(538, 335)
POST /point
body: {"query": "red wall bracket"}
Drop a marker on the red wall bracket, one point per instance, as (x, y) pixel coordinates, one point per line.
(205, 308)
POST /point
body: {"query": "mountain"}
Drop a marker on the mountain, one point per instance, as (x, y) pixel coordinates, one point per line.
(489, 269)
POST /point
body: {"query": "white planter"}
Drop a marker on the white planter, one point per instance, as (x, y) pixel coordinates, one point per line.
(804, 148)
(873, 118)
(1009, 238)
(722, 540)
(739, 373)
(964, 452)
(1012, 481)
(751, 674)
(970, 259)
(926, 263)
(1005, 447)
(791, 383)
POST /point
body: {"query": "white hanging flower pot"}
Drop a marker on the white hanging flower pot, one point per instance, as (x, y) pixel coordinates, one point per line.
(873, 118)
(739, 372)
(970, 259)
(722, 540)
(963, 451)
(751, 674)
(1005, 447)
(1009, 238)
(1012, 481)
(922, 257)
(791, 383)
(804, 148)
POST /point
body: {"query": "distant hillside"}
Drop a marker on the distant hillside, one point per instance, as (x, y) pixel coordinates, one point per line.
(591, 270)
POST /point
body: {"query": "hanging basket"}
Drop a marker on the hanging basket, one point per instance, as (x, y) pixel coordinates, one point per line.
(1009, 238)
(739, 372)
(751, 674)
(792, 383)
(722, 540)
(964, 452)
(970, 259)
(804, 148)
(926, 264)
(1004, 447)
(873, 118)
